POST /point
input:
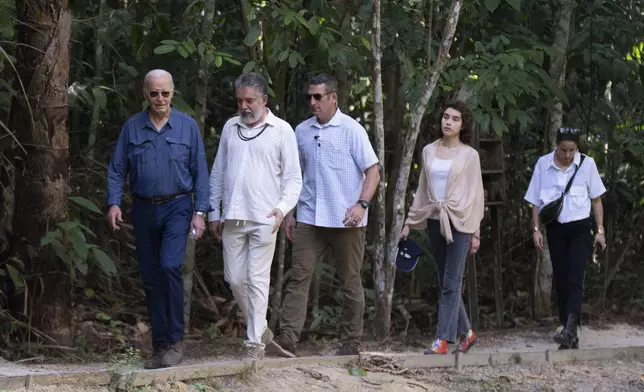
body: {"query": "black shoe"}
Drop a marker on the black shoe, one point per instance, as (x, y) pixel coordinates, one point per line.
(156, 360)
(174, 355)
(568, 335)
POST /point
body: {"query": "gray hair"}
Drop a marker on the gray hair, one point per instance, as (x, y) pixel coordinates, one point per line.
(156, 73)
(327, 80)
(253, 80)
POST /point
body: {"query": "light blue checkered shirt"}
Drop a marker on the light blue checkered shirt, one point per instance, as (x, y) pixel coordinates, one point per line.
(333, 157)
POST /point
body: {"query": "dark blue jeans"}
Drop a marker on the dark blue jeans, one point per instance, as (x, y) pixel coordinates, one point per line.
(450, 266)
(161, 232)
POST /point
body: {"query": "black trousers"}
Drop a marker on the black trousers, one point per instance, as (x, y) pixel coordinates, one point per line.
(569, 245)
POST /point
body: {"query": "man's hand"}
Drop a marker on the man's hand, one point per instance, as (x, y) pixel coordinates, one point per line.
(538, 240)
(215, 229)
(279, 217)
(198, 226)
(354, 216)
(289, 227)
(114, 217)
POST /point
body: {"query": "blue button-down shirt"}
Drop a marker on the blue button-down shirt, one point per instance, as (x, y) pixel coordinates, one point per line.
(159, 163)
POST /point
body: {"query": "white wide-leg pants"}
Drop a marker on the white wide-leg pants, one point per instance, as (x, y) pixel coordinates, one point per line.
(248, 249)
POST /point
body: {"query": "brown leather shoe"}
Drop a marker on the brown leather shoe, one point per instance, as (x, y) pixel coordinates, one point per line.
(281, 346)
(155, 361)
(174, 355)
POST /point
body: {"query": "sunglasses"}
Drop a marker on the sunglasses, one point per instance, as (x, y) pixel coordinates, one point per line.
(317, 97)
(154, 94)
(572, 131)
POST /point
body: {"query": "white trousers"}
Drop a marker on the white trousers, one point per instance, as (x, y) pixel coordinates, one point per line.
(248, 254)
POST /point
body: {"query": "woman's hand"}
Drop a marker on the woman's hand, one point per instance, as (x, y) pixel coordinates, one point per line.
(404, 233)
(476, 244)
(537, 237)
(601, 240)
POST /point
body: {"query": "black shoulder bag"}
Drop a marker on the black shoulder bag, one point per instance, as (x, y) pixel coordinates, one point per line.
(551, 211)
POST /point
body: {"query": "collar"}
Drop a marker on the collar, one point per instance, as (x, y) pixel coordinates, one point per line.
(146, 122)
(269, 119)
(551, 161)
(335, 121)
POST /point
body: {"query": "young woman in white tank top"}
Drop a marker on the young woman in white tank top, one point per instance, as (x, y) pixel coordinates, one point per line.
(449, 201)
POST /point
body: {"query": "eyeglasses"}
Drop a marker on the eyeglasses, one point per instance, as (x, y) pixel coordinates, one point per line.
(154, 94)
(317, 97)
(572, 131)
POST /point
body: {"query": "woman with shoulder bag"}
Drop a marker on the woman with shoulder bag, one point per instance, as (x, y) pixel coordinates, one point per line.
(449, 202)
(564, 186)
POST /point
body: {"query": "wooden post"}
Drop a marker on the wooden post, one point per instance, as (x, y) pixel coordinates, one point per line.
(493, 170)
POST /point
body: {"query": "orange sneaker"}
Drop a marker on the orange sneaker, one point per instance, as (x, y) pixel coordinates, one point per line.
(438, 347)
(466, 342)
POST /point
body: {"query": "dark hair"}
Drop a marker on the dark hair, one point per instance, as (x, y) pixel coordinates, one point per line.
(252, 80)
(568, 134)
(467, 120)
(327, 80)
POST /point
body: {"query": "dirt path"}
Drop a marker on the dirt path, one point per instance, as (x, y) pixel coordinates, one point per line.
(615, 376)
(605, 376)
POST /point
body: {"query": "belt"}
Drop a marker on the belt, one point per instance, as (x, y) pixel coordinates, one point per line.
(162, 199)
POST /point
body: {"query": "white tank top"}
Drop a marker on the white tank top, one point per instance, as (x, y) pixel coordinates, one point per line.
(439, 173)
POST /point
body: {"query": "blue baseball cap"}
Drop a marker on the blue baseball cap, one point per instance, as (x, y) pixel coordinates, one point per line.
(407, 255)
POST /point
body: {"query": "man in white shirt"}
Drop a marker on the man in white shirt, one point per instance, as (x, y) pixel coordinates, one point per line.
(257, 180)
(340, 176)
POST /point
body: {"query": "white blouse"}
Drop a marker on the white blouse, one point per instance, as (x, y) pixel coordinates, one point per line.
(439, 173)
(549, 182)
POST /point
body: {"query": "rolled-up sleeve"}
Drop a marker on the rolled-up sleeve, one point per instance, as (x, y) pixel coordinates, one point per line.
(199, 170)
(596, 186)
(117, 169)
(361, 149)
(291, 172)
(533, 194)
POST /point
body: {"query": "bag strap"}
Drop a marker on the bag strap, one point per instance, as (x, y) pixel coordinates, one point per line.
(574, 174)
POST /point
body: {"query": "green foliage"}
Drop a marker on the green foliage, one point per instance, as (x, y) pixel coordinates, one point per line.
(188, 48)
(14, 269)
(502, 74)
(69, 243)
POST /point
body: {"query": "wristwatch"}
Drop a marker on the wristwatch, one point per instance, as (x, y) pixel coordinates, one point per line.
(364, 204)
(536, 229)
(600, 230)
(200, 213)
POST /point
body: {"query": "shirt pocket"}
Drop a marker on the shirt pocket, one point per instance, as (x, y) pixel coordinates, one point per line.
(140, 151)
(579, 196)
(340, 158)
(179, 150)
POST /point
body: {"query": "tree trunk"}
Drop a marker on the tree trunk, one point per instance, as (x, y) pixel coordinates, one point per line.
(101, 24)
(385, 288)
(380, 276)
(543, 274)
(42, 168)
(201, 96)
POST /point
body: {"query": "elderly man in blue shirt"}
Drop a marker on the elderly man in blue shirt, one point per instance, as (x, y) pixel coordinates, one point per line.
(162, 151)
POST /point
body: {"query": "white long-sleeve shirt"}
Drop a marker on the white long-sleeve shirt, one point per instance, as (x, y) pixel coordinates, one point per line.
(250, 178)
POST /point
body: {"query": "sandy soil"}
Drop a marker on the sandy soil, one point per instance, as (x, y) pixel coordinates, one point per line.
(614, 376)
(605, 376)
